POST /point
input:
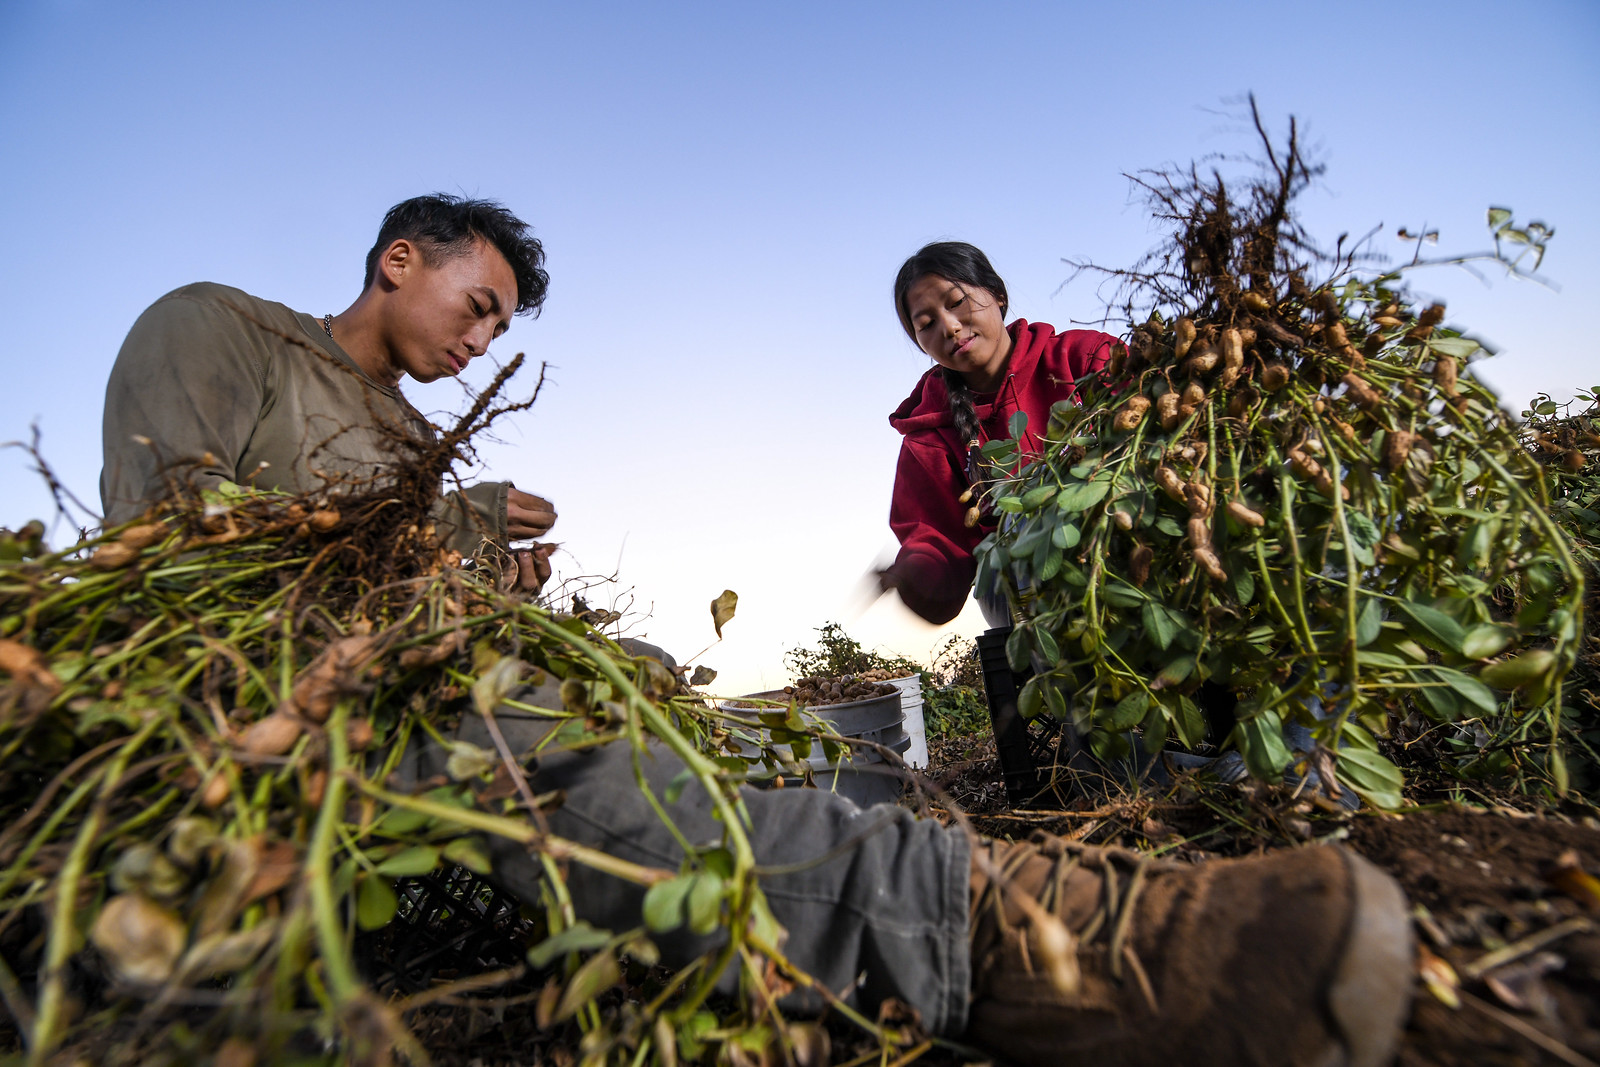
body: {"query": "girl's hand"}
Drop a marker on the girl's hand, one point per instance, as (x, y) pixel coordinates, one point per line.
(926, 604)
(888, 580)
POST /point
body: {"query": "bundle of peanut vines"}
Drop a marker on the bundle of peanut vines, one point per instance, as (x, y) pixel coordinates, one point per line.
(1565, 439)
(199, 719)
(1284, 485)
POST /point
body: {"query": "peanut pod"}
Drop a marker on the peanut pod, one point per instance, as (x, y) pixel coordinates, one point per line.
(1171, 483)
(1246, 515)
(1167, 410)
(1184, 331)
(1131, 415)
(1211, 564)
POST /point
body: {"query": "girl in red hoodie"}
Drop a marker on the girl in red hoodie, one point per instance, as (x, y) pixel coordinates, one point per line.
(953, 305)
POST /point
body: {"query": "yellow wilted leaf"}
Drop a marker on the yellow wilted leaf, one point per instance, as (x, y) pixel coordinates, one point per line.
(722, 609)
(598, 974)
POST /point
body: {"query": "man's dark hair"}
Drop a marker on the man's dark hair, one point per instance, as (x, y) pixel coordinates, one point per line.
(444, 226)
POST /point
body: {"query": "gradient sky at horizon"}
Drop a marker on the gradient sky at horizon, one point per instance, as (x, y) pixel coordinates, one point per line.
(725, 192)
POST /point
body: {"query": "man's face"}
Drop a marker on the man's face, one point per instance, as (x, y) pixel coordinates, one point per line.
(445, 309)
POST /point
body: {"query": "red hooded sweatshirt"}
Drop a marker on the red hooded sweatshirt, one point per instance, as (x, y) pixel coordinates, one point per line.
(926, 513)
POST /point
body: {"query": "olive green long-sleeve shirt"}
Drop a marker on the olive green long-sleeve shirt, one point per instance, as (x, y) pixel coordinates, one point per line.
(223, 398)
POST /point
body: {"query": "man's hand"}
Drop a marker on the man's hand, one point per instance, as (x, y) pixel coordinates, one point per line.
(528, 516)
(533, 567)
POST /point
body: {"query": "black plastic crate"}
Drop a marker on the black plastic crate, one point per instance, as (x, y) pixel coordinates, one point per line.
(1043, 763)
(450, 923)
(1032, 760)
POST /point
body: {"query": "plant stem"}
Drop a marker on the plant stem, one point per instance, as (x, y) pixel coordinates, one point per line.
(64, 908)
(343, 982)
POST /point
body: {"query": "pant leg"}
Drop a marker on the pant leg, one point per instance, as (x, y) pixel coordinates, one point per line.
(887, 917)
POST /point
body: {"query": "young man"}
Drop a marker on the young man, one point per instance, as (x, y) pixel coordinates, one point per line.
(214, 385)
(1302, 957)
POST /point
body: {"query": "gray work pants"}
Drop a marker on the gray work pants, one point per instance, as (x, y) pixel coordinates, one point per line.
(886, 917)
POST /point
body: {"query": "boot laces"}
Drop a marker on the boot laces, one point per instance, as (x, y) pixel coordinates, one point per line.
(1113, 916)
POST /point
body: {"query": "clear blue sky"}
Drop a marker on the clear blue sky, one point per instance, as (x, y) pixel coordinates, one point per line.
(725, 192)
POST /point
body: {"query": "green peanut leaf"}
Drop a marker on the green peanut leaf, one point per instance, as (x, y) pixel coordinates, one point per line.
(1486, 640)
(1159, 624)
(1264, 751)
(663, 903)
(399, 822)
(985, 576)
(705, 902)
(1129, 711)
(468, 852)
(1443, 700)
(1051, 566)
(1364, 534)
(410, 862)
(579, 937)
(1176, 670)
(764, 926)
(1476, 693)
(1025, 544)
(1036, 497)
(1369, 623)
(1154, 727)
(1030, 699)
(1054, 701)
(1123, 595)
(1017, 649)
(1244, 584)
(1458, 347)
(1046, 643)
(376, 902)
(1371, 775)
(676, 786)
(1447, 634)
(1082, 496)
(1191, 723)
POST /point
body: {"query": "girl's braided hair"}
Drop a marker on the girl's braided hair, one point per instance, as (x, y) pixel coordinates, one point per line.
(954, 261)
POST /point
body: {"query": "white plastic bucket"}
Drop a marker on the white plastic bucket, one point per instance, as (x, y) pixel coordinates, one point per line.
(860, 774)
(911, 707)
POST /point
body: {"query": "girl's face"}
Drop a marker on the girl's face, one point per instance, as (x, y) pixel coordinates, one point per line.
(962, 328)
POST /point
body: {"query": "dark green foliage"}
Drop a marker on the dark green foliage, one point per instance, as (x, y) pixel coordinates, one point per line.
(1286, 485)
(837, 653)
(952, 685)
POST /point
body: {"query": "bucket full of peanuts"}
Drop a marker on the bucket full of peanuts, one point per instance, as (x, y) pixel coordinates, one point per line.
(868, 718)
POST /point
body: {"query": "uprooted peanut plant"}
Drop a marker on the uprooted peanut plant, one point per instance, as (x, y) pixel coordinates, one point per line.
(199, 719)
(1286, 485)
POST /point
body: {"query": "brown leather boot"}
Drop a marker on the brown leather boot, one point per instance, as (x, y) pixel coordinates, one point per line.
(1084, 955)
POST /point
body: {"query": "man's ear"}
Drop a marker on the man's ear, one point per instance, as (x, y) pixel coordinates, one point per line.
(397, 262)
